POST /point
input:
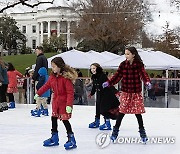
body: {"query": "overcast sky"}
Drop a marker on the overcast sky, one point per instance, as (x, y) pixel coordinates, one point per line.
(161, 12)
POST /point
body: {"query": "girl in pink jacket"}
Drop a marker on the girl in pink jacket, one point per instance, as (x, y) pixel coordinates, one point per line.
(12, 86)
(61, 83)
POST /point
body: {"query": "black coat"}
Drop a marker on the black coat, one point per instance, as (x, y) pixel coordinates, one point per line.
(41, 61)
(105, 96)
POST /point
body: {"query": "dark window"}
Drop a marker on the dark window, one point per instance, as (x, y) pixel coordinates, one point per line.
(24, 29)
(34, 29)
(34, 44)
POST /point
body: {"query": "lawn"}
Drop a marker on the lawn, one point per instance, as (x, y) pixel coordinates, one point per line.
(21, 62)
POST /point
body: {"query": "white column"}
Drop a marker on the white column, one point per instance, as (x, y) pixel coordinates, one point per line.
(77, 23)
(58, 28)
(41, 32)
(38, 34)
(49, 29)
(68, 34)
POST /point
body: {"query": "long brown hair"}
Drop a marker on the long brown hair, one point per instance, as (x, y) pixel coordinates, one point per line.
(65, 70)
(135, 52)
(98, 68)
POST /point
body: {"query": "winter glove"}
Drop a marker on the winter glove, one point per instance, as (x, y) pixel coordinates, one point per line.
(36, 96)
(105, 84)
(68, 109)
(148, 86)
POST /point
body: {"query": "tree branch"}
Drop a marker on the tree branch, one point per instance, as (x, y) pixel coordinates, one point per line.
(23, 2)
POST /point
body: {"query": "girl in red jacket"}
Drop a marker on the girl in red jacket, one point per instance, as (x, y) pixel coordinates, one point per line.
(61, 82)
(130, 72)
(12, 86)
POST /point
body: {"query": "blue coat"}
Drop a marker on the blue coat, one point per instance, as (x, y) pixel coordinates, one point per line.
(3, 75)
(43, 77)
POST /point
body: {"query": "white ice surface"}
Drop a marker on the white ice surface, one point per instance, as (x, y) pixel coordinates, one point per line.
(21, 133)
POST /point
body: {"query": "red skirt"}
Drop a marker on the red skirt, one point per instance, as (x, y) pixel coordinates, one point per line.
(131, 103)
(62, 116)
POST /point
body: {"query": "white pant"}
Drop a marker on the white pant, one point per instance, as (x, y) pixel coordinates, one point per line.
(43, 101)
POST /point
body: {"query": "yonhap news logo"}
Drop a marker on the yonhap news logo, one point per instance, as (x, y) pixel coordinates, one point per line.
(103, 140)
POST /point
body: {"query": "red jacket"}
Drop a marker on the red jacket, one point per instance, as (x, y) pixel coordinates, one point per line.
(130, 76)
(12, 77)
(63, 95)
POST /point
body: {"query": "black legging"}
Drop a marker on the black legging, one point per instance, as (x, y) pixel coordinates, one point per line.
(65, 122)
(3, 90)
(121, 115)
(11, 97)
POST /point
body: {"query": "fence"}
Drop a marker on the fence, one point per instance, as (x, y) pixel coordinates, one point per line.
(165, 92)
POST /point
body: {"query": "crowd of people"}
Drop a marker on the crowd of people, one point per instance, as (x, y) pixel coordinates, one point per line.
(65, 84)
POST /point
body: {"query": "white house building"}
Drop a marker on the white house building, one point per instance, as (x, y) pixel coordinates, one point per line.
(40, 25)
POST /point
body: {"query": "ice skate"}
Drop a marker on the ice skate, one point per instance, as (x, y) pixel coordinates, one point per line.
(114, 134)
(11, 105)
(4, 106)
(71, 143)
(106, 125)
(45, 112)
(143, 135)
(53, 141)
(95, 124)
(36, 112)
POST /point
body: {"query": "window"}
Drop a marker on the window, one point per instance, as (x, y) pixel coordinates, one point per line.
(34, 44)
(34, 29)
(24, 29)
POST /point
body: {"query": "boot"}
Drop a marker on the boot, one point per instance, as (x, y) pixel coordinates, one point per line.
(11, 105)
(71, 143)
(36, 112)
(1, 108)
(45, 112)
(4, 106)
(106, 125)
(114, 134)
(143, 135)
(53, 141)
(95, 124)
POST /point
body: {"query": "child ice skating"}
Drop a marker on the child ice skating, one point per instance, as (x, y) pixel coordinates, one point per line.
(61, 82)
(12, 86)
(130, 72)
(106, 101)
(41, 107)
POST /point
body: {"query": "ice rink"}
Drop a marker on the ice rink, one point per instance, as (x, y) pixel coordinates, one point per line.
(20, 133)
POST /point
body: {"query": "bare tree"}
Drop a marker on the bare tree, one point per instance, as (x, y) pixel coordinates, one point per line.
(175, 1)
(22, 2)
(108, 24)
(168, 42)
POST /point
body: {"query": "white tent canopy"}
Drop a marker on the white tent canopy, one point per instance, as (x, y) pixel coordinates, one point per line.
(109, 55)
(97, 57)
(155, 60)
(79, 59)
(74, 58)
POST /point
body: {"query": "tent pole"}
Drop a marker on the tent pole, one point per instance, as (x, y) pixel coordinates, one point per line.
(166, 90)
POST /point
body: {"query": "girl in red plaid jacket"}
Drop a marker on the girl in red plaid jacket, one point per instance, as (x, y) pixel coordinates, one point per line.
(130, 72)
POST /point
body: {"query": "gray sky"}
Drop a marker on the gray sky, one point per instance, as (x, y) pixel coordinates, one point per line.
(161, 12)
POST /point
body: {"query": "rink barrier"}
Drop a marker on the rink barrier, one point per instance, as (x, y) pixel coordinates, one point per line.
(165, 93)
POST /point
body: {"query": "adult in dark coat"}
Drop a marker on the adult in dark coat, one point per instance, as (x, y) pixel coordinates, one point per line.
(106, 101)
(41, 61)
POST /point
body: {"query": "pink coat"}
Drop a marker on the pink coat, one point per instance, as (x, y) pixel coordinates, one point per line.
(12, 77)
(63, 95)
